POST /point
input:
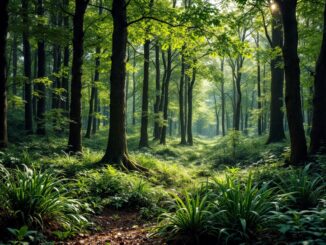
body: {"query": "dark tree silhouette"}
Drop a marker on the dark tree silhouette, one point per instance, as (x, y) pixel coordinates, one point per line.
(75, 140)
(3, 72)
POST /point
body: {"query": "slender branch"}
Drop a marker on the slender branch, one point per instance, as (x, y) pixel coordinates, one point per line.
(153, 18)
(101, 7)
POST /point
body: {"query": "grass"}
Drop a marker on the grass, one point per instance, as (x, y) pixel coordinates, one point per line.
(227, 189)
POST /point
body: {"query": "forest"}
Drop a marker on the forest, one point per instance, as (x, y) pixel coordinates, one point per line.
(162, 122)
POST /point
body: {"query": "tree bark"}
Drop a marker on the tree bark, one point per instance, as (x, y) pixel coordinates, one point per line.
(222, 99)
(259, 104)
(92, 108)
(144, 115)
(181, 102)
(75, 139)
(27, 70)
(166, 96)
(134, 91)
(14, 65)
(117, 151)
(157, 93)
(318, 130)
(41, 100)
(4, 19)
(190, 102)
(292, 77)
(66, 54)
(276, 129)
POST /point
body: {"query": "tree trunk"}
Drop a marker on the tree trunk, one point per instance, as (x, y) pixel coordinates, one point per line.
(14, 65)
(181, 102)
(27, 70)
(41, 100)
(117, 151)
(134, 92)
(318, 130)
(259, 104)
(96, 109)
(166, 96)
(92, 108)
(222, 98)
(190, 100)
(292, 76)
(237, 112)
(144, 115)
(276, 129)
(75, 140)
(65, 77)
(217, 132)
(157, 93)
(4, 18)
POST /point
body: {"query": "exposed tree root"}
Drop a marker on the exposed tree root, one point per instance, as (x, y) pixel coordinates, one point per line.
(124, 162)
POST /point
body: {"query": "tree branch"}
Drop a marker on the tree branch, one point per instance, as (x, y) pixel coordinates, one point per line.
(153, 18)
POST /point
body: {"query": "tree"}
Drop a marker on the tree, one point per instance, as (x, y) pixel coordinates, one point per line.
(157, 93)
(292, 77)
(276, 128)
(40, 74)
(181, 100)
(27, 69)
(143, 142)
(4, 16)
(75, 140)
(318, 130)
(117, 150)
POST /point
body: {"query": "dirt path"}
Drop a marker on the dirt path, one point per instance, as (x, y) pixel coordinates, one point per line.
(117, 228)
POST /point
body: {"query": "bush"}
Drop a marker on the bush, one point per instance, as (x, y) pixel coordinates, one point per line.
(190, 221)
(308, 226)
(244, 208)
(38, 200)
(305, 191)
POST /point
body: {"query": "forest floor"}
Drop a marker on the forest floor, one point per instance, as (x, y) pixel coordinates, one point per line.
(127, 205)
(118, 228)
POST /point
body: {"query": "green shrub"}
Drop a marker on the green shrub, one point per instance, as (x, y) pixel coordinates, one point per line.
(307, 226)
(190, 220)
(39, 200)
(305, 191)
(244, 208)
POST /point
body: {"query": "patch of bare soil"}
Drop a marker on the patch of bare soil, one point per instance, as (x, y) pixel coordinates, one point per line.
(117, 228)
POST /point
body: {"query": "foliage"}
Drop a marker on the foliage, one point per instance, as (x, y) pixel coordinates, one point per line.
(39, 199)
(244, 207)
(305, 190)
(191, 220)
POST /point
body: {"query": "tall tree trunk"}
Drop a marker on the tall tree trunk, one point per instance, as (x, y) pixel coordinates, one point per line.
(134, 91)
(27, 70)
(157, 93)
(181, 102)
(144, 114)
(41, 101)
(66, 54)
(259, 104)
(237, 112)
(276, 129)
(4, 18)
(92, 108)
(117, 151)
(166, 95)
(143, 142)
(14, 65)
(292, 77)
(190, 105)
(217, 132)
(318, 130)
(75, 139)
(222, 98)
